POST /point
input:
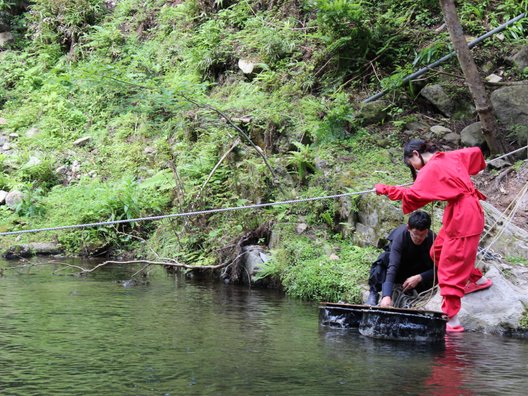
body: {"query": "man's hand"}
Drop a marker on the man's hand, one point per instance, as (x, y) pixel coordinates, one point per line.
(411, 282)
(386, 302)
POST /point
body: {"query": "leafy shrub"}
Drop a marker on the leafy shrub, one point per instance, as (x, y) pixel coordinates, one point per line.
(338, 119)
(41, 173)
(63, 21)
(32, 203)
(309, 271)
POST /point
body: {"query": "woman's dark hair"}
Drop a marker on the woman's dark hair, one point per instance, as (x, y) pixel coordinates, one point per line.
(419, 220)
(421, 147)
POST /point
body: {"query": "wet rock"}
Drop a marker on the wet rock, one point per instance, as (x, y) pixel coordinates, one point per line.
(496, 310)
(133, 283)
(253, 260)
(31, 249)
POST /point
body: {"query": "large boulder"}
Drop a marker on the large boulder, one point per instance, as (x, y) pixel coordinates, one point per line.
(31, 249)
(253, 260)
(374, 219)
(520, 59)
(436, 95)
(497, 310)
(511, 105)
(372, 112)
(13, 198)
(472, 135)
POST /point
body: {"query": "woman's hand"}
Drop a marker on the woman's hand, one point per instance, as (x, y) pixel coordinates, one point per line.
(381, 189)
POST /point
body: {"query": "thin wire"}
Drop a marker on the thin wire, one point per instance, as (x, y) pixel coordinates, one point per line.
(518, 201)
(507, 154)
(186, 214)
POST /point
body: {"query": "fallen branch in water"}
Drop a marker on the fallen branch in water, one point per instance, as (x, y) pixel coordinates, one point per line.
(164, 263)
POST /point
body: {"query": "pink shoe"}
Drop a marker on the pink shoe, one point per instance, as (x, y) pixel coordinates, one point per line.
(454, 329)
(472, 287)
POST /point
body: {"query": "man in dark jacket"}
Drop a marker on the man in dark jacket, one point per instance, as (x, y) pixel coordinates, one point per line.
(406, 261)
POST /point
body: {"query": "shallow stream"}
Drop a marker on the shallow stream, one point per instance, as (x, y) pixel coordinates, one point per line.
(69, 335)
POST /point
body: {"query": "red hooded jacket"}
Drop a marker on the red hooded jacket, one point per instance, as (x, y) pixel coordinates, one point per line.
(446, 177)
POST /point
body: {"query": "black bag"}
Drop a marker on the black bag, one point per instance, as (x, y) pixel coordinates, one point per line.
(378, 270)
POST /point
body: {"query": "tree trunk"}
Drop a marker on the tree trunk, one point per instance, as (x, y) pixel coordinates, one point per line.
(474, 81)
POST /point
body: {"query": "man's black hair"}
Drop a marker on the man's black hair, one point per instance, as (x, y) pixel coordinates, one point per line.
(419, 220)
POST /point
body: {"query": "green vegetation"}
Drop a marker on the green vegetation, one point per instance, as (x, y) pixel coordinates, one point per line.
(316, 268)
(149, 84)
(523, 323)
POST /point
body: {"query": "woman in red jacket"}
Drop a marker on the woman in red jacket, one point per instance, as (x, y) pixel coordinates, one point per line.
(445, 176)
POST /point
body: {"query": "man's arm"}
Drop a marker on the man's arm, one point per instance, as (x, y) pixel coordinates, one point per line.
(392, 269)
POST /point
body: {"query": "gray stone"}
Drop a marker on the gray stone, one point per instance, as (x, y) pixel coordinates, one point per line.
(301, 227)
(440, 131)
(13, 136)
(452, 137)
(416, 128)
(5, 37)
(472, 135)
(32, 132)
(511, 105)
(3, 121)
(3, 195)
(499, 164)
(149, 150)
(13, 198)
(82, 141)
(253, 259)
(493, 78)
(31, 249)
(436, 95)
(376, 217)
(247, 66)
(496, 310)
(520, 59)
(33, 161)
(372, 113)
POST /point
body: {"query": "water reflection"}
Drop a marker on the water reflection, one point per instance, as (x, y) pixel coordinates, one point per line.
(90, 335)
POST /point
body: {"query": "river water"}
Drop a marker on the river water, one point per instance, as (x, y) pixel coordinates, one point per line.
(69, 335)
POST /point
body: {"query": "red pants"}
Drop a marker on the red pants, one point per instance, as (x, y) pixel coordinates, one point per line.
(455, 259)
